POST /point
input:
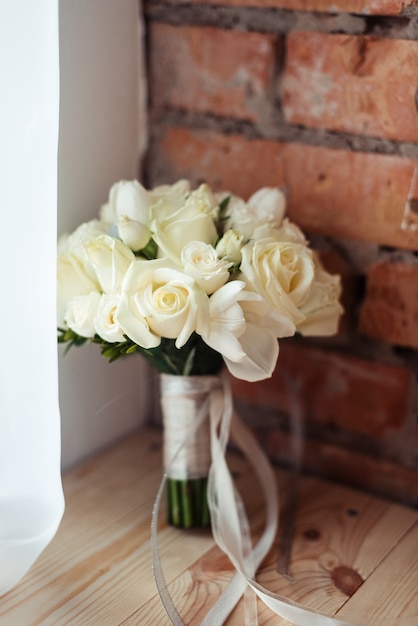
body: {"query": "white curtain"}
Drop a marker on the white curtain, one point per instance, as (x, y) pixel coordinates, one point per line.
(31, 499)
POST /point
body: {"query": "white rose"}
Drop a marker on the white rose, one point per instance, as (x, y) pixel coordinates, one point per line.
(110, 259)
(282, 272)
(72, 280)
(322, 310)
(201, 261)
(81, 312)
(75, 274)
(269, 204)
(75, 243)
(230, 245)
(177, 191)
(265, 207)
(105, 322)
(158, 301)
(175, 226)
(133, 234)
(288, 231)
(127, 198)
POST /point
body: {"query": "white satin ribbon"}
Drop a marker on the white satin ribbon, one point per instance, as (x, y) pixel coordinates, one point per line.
(230, 526)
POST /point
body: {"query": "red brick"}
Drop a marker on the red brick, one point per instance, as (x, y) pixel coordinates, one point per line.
(223, 72)
(367, 7)
(336, 192)
(228, 162)
(352, 394)
(350, 194)
(390, 308)
(361, 85)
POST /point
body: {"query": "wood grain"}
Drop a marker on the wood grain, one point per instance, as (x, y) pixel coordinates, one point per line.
(353, 554)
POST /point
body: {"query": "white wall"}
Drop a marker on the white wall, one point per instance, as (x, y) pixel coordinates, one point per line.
(102, 134)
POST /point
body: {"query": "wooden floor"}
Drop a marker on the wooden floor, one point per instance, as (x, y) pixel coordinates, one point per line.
(353, 556)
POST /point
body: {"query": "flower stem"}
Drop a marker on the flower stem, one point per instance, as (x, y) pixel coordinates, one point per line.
(187, 503)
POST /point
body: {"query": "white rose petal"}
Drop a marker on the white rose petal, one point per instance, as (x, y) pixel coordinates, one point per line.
(323, 309)
(265, 209)
(105, 322)
(81, 312)
(72, 281)
(133, 234)
(110, 259)
(127, 198)
(282, 272)
(268, 204)
(201, 261)
(173, 226)
(171, 192)
(288, 231)
(165, 301)
(74, 243)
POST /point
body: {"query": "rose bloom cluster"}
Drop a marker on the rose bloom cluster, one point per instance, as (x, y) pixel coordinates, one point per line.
(172, 262)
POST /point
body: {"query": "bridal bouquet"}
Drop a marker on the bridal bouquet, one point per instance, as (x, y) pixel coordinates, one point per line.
(194, 281)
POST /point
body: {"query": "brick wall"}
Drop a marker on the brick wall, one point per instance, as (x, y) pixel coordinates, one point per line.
(320, 98)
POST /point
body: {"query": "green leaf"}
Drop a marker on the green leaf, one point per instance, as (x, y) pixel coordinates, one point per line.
(150, 250)
(195, 358)
(224, 205)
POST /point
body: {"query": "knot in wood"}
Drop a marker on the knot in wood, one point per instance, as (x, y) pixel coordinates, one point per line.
(346, 579)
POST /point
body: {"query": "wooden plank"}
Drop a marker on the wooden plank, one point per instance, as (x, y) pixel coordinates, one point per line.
(341, 537)
(196, 588)
(108, 504)
(349, 549)
(389, 597)
(99, 564)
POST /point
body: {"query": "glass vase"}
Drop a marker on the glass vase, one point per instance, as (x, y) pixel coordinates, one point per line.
(185, 405)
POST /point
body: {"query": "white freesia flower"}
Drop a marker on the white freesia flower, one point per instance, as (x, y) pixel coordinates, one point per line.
(158, 300)
(226, 321)
(127, 198)
(259, 342)
(282, 272)
(201, 261)
(260, 352)
(133, 234)
(244, 329)
(110, 259)
(229, 246)
(105, 322)
(173, 226)
(81, 312)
